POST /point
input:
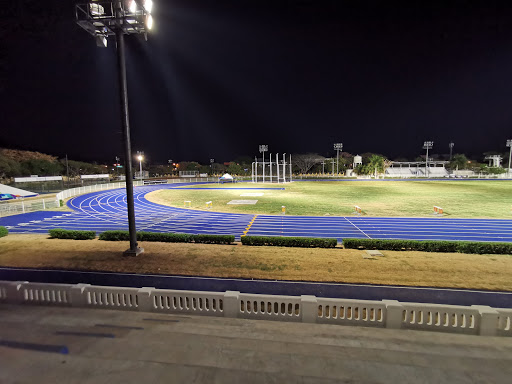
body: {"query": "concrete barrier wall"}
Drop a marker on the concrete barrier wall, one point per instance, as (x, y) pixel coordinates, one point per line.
(473, 320)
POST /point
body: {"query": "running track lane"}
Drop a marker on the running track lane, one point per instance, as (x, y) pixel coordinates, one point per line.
(106, 210)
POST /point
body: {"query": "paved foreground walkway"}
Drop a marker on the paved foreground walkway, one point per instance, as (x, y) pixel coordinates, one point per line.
(103, 346)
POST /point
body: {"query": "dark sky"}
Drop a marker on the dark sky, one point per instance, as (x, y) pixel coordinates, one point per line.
(218, 78)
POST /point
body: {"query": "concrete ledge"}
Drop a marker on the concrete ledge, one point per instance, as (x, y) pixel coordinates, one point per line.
(473, 320)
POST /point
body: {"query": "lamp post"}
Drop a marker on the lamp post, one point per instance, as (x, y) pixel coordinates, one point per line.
(427, 145)
(119, 18)
(509, 144)
(338, 147)
(140, 157)
(211, 165)
(451, 145)
(263, 149)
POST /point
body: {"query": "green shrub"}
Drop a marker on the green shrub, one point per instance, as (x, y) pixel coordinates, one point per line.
(115, 236)
(58, 233)
(305, 242)
(61, 202)
(168, 237)
(165, 237)
(214, 239)
(3, 231)
(430, 246)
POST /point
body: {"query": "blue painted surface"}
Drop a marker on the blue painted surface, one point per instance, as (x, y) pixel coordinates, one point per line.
(106, 210)
(290, 288)
(35, 347)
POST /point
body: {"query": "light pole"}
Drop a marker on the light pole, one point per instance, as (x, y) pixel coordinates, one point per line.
(509, 144)
(263, 149)
(451, 145)
(211, 166)
(427, 145)
(140, 157)
(338, 147)
(117, 18)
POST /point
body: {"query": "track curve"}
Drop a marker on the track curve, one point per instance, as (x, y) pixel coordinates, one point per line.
(106, 210)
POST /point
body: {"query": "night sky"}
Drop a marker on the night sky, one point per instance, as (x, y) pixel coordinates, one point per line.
(217, 78)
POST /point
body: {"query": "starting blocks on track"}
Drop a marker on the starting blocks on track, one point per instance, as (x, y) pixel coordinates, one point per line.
(187, 203)
(438, 210)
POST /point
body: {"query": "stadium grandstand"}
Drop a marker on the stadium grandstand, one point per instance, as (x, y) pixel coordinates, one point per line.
(405, 169)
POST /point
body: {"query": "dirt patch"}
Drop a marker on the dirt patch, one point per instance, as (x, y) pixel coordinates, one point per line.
(489, 272)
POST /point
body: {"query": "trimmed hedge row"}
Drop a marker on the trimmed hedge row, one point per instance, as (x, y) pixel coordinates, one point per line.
(3, 231)
(69, 234)
(304, 242)
(430, 246)
(168, 237)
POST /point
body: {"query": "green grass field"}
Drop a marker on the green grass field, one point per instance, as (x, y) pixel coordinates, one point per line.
(412, 198)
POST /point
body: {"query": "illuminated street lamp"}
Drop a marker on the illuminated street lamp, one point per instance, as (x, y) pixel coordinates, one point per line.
(338, 147)
(140, 157)
(427, 145)
(118, 18)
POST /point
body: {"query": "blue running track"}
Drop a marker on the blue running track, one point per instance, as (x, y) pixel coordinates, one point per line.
(106, 210)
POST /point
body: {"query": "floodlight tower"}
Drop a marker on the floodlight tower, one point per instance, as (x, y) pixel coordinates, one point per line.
(509, 144)
(263, 149)
(338, 147)
(119, 18)
(427, 145)
(451, 145)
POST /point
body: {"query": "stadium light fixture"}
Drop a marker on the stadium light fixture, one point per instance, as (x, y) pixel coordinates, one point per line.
(263, 149)
(338, 147)
(451, 145)
(427, 145)
(118, 18)
(509, 144)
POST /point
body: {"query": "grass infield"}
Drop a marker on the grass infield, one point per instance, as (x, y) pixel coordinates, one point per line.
(450, 270)
(409, 198)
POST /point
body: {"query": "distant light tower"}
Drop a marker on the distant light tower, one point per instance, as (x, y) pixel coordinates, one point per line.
(338, 147)
(263, 149)
(140, 157)
(211, 165)
(509, 144)
(451, 145)
(427, 145)
(118, 18)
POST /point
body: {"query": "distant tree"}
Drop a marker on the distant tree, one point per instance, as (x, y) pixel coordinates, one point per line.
(9, 168)
(42, 167)
(306, 161)
(459, 161)
(374, 165)
(234, 169)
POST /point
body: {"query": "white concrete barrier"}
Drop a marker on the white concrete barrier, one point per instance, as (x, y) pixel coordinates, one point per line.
(190, 302)
(475, 320)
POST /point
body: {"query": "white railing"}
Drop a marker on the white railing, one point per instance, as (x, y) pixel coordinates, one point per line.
(504, 322)
(447, 318)
(351, 312)
(93, 188)
(14, 207)
(190, 302)
(474, 320)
